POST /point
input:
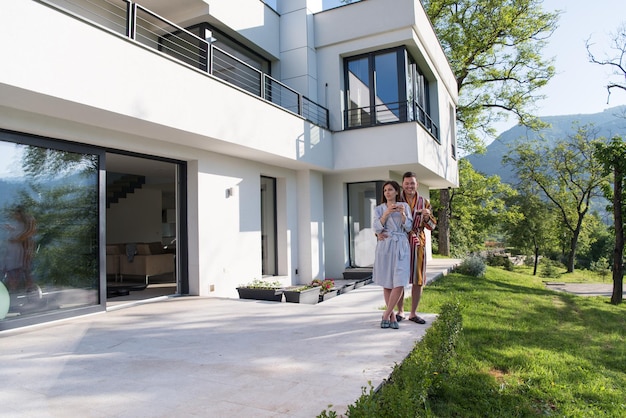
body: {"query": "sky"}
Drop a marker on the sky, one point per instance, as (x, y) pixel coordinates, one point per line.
(578, 86)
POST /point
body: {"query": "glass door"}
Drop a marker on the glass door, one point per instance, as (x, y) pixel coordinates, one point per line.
(362, 199)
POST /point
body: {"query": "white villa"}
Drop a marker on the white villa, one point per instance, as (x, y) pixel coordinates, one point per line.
(206, 143)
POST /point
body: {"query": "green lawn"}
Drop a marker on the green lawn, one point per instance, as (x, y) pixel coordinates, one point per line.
(528, 351)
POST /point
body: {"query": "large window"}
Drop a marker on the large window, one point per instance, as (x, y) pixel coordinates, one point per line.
(386, 87)
(49, 239)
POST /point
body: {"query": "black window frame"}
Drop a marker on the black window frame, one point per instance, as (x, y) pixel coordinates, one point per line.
(420, 108)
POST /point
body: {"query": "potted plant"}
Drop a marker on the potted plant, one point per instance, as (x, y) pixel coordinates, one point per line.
(302, 294)
(327, 288)
(261, 290)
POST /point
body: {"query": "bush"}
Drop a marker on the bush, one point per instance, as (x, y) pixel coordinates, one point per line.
(472, 266)
(602, 267)
(410, 382)
(529, 260)
(500, 260)
(548, 269)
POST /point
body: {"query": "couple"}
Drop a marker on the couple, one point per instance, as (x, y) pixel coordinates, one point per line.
(403, 213)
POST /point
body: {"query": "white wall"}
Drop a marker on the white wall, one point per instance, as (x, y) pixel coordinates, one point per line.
(105, 80)
(136, 218)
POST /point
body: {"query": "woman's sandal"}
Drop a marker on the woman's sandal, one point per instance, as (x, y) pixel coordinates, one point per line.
(385, 324)
(394, 325)
(417, 320)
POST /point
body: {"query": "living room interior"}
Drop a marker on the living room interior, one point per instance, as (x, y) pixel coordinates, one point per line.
(141, 229)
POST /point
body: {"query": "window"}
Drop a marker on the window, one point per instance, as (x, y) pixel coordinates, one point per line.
(268, 227)
(386, 87)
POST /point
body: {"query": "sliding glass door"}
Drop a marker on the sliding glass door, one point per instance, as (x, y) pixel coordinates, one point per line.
(49, 217)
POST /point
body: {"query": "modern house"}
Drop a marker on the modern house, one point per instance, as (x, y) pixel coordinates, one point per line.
(206, 143)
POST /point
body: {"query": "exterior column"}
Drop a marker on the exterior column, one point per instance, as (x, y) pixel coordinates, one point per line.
(310, 226)
(298, 62)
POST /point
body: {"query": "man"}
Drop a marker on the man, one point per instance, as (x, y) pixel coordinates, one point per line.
(422, 219)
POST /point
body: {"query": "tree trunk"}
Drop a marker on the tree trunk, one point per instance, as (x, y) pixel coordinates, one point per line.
(571, 256)
(443, 222)
(618, 252)
(536, 260)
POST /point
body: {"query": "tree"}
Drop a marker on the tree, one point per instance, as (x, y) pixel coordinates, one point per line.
(612, 155)
(479, 207)
(494, 48)
(61, 193)
(613, 158)
(534, 232)
(617, 62)
(567, 174)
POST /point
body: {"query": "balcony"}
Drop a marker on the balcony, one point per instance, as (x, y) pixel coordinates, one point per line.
(384, 113)
(145, 27)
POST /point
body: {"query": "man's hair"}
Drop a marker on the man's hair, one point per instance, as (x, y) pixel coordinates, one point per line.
(409, 174)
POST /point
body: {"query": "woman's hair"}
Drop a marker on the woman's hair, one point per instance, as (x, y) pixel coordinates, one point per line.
(396, 186)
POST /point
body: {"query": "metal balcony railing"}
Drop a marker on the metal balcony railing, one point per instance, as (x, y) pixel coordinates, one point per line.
(148, 28)
(383, 113)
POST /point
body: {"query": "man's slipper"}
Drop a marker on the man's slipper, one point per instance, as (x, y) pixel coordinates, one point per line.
(399, 317)
(417, 320)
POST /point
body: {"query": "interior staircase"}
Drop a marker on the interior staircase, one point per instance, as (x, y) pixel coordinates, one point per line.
(123, 186)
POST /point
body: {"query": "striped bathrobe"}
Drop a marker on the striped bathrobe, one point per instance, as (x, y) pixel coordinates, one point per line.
(417, 238)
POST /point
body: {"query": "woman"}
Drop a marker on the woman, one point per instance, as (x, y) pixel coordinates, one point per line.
(392, 221)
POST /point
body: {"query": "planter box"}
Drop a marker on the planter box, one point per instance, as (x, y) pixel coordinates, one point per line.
(347, 288)
(328, 295)
(273, 295)
(310, 296)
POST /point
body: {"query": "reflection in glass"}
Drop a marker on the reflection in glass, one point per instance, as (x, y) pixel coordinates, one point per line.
(361, 204)
(358, 92)
(268, 226)
(49, 229)
(387, 87)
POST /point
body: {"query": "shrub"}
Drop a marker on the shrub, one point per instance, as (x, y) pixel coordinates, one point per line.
(500, 260)
(410, 382)
(529, 260)
(472, 266)
(548, 269)
(602, 267)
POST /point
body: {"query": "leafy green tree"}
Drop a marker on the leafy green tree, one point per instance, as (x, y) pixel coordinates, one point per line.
(494, 48)
(62, 197)
(596, 241)
(567, 174)
(612, 156)
(479, 208)
(534, 232)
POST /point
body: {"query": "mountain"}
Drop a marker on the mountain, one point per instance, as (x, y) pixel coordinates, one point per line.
(610, 122)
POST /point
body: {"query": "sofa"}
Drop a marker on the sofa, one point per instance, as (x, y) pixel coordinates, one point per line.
(139, 259)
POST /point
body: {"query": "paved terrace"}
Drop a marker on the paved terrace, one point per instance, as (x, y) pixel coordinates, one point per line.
(206, 357)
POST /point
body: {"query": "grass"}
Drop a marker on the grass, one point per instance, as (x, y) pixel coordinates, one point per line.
(528, 351)
(578, 276)
(523, 351)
